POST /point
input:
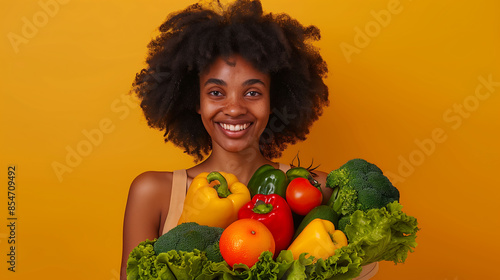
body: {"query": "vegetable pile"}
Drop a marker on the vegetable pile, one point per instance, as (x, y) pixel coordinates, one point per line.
(372, 228)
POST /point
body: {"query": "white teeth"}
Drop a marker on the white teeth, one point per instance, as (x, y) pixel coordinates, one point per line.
(232, 127)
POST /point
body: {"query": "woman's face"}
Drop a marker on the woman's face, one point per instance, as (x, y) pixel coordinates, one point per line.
(234, 103)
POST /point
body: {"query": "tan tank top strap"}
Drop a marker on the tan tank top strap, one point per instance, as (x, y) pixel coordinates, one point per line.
(283, 167)
(177, 196)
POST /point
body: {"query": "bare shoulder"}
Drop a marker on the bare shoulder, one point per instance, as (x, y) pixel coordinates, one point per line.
(151, 184)
(148, 199)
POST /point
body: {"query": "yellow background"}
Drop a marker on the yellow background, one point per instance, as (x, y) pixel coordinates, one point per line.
(395, 101)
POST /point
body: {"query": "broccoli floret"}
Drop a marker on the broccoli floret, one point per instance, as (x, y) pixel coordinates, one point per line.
(346, 201)
(343, 222)
(213, 253)
(187, 237)
(361, 185)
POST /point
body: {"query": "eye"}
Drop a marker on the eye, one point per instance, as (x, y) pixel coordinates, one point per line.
(215, 93)
(252, 93)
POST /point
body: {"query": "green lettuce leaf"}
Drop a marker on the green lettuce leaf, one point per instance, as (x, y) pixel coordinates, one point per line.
(181, 265)
(221, 270)
(216, 271)
(300, 268)
(286, 264)
(265, 268)
(140, 264)
(345, 264)
(384, 234)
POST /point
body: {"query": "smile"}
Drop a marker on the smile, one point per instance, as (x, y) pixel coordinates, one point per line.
(234, 127)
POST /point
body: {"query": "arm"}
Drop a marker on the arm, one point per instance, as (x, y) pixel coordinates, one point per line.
(149, 193)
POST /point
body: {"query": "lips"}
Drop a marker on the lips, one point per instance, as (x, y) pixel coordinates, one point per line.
(234, 127)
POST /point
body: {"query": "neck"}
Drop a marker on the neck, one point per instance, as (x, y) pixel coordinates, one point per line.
(242, 164)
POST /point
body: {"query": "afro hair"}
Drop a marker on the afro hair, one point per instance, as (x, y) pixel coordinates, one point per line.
(191, 39)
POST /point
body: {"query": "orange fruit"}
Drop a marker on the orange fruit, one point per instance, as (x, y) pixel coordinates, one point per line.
(244, 240)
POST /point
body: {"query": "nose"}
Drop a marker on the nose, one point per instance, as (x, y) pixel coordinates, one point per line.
(235, 106)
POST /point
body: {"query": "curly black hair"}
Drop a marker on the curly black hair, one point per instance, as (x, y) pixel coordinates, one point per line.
(191, 39)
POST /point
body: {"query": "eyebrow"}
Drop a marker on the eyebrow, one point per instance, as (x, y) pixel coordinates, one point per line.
(218, 82)
(253, 82)
(223, 83)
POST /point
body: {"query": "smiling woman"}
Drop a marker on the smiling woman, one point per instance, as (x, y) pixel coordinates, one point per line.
(220, 82)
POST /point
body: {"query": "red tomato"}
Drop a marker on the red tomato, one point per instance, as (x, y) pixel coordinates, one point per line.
(302, 197)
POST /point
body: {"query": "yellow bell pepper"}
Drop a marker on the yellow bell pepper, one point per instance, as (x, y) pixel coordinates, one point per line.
(214, 199)
(318, 239)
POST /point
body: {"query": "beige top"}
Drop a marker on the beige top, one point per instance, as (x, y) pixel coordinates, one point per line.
(179, 190)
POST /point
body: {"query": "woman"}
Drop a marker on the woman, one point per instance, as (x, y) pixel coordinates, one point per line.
(232, 87)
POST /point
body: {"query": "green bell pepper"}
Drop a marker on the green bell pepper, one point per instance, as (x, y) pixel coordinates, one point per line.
(268, 180)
